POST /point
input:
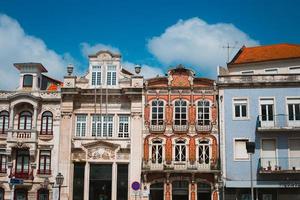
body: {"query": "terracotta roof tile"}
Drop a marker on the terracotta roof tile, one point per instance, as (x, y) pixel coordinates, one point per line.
(266, 53)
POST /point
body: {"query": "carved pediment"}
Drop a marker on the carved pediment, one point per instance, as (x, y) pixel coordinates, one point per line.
(101, 150)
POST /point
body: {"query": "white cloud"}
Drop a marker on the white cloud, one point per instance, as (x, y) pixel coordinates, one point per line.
(146, 71)
(195, 42)
(17, 46)
(87, 49)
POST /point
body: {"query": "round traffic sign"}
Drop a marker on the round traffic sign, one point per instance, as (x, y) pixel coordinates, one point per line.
(135, 185)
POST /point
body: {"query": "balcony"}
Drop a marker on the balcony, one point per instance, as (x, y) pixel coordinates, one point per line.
(182, 127)
(203, 128)
(22, 175)
(157, 128)
(279, 165)
(176, 166)
(278, 122)
(44, 171)
(15, 136)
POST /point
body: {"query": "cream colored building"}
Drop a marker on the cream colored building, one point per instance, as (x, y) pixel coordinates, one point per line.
(101, 131)
(29, 135)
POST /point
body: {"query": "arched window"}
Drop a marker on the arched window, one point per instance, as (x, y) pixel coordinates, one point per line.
(157, 112)
(27, 80)
(180, 150)
(43, 194)
(204, 152)
(203, 110)
(47, 123)
(180, 113)
(25, 120)
(157, 151)
(4, 116)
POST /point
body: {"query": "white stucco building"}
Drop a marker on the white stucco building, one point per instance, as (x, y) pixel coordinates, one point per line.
(29, 134)
(100, 149)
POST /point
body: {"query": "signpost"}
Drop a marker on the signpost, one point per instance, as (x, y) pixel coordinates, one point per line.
(135, 186)
(14, 182)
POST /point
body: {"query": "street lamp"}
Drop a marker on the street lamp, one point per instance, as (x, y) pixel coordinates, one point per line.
(250, 146)
(59, 181)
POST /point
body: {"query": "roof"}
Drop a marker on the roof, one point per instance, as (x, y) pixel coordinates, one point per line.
(38, 65)
(104, 51)
(266, 53)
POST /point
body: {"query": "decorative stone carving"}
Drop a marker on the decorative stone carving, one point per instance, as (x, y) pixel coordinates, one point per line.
(101, 153)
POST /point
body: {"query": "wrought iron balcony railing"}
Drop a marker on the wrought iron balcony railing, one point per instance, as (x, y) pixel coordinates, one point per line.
(180, 127)
(279, 122)
(203, 127)
(279, 165)
(176, 165)
(157, 128)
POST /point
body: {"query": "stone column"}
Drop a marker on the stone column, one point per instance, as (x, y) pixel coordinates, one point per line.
(193, 191)
(11, 117)
(34, 121)
(86, 181)
(114, 182)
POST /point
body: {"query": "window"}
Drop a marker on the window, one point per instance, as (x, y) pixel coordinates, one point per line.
(294, 109)
(102, 126)
(1, 194)
(267, 112)
(4, 116)
(43, 194)
(204, 152)
(295, 69)
(240, 108)
(203, 113)
(27, 81)
(45, 162)
(25, 120)
(3, 161)
(47, 123)
(180, 113)
(81, 125)
(157, 112)
(111, 75)
(180, 151)
(22, 162)
(247, 72)
(123, 126)
(96, 75)
(240, 151)
(157, 152)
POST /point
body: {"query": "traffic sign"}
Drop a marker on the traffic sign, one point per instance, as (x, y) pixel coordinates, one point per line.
(135, 185)
(16, 181)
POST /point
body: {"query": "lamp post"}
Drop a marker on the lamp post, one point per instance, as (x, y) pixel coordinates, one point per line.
(59, 181)
(250, 146)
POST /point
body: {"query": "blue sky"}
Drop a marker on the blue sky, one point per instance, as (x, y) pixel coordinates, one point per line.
(130, 27)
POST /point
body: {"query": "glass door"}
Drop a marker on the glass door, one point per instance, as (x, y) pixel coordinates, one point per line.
(267, 112)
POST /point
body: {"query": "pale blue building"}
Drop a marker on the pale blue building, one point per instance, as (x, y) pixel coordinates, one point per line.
(259, 97)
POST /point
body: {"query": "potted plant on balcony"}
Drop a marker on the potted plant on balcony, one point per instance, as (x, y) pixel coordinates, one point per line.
(269, 166)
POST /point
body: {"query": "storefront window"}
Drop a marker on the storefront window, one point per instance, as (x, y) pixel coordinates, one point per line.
(100, 182)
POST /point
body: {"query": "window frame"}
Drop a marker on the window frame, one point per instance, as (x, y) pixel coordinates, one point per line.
(209, 112)
(5, 121)
(3, 157)
(157, 144)
(45, 157)
(181, 143)
(103, 126)
(208, 144)
(292, 101)
(22, 156)
(240, 101)
(123, 133)
(180, 113)
(49, 129)
(234, 149)
(158, 120)
(42, 190)
(113, 75)
(25, 120)
(97, 70)
(26, 85)
(79, 130)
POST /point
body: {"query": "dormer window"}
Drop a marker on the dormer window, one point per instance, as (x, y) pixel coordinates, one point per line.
(96, 75)
(27, 80)
(111, 75)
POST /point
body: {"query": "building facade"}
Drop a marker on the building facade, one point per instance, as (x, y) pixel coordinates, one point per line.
(29, 135)
(259, 96)
(180, 138)
(101, 127)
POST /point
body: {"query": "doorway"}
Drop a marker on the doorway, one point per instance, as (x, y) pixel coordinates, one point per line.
(157, 191)
(180, 190)
(203, 191)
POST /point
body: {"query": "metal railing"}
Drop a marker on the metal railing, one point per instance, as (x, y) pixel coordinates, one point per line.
(279, 164)
(203, 128)
(176, 165)
(181, 128)
(279, 121)
(157, 127)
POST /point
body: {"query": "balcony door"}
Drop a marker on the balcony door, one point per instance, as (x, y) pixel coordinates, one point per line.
(157, 152)
(204, 154)
(180, 190)
(22, 163)
(294, 158)
(293, 112)
(20, 194)
(268, 153)
(267, 112)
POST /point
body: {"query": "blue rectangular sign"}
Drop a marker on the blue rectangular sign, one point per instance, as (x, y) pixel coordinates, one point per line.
(16, 181)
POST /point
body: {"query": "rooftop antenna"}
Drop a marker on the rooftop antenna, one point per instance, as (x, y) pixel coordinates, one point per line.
(228, 47)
